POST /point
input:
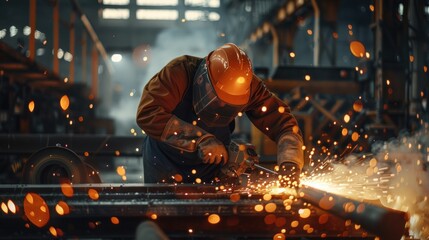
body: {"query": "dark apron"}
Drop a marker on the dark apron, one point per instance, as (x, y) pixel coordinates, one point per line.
(161, 162)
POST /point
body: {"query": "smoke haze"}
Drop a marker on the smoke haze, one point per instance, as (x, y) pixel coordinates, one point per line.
(169, 44)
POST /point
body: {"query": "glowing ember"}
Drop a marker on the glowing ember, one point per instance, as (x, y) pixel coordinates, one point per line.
(304, 212)
(279, 236)
(93, 194)
(31, 106)
(66, 189)
(213, 218)
(307, 77)
(235, 197)
(294, 224)
(153, 216)
(37, 210)
(357, 49)
(267, 197)
(324, 218)
(270, 207)
(306, 227)
(259, 207)
(280, 222)
(178, 178)
(327, 202)
(64, 102)
(11, 206)
(114, 220)
(355, 136)
(53, 231)
(121, 170)
(295, 129)
(60, 232)
(59, 209)
(62, 208)
(4, 207)
(346, 118)
(270, 219)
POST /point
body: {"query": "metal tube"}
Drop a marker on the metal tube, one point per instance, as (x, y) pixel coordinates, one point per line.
(384, 222)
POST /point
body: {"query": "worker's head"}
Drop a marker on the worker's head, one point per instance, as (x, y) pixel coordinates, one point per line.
(222, 85)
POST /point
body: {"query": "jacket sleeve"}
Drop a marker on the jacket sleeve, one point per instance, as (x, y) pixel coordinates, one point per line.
(273, 117)
(160, 97)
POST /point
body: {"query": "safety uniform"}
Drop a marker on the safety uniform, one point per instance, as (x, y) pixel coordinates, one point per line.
(167, 114)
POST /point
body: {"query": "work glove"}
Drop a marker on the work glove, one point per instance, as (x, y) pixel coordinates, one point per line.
(211, 150)
(289, 175)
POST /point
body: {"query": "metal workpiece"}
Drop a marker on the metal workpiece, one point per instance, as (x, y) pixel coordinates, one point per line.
(182, 211)
(382, 221)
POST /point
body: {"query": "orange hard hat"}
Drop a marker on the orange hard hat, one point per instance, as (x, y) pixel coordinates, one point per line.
(231, 73)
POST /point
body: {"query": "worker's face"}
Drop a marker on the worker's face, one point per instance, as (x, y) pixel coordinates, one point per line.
(207, 105)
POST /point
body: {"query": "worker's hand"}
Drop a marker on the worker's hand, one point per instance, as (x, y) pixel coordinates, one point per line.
(211, 150)
(289, 175)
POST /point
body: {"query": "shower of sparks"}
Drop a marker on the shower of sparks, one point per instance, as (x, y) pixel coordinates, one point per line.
(395, 175)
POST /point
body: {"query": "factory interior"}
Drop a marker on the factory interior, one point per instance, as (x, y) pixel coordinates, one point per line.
(353, 73)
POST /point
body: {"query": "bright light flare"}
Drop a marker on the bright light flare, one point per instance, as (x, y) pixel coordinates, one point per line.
(116, 57)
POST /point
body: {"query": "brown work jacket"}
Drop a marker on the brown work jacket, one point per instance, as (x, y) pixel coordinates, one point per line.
(168, 88)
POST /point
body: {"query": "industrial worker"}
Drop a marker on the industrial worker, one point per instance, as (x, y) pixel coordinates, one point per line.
(187, 111)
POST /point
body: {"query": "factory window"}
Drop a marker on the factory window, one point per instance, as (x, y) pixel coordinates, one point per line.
(195, 15)
(146, 14)
(203, 3)
(115, 13)
(3, 33)
(157, 3)
(116, 2)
